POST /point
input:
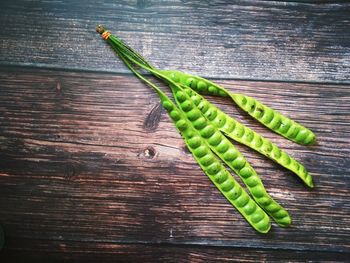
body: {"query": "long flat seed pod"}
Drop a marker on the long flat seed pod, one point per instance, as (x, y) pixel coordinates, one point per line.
(270, 118)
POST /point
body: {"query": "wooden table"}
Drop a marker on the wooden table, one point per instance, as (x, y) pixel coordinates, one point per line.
(93, 170)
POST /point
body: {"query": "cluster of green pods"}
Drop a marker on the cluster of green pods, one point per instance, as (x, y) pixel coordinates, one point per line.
(228, 153)
(206, 129)
(195, 134)
(244, 135)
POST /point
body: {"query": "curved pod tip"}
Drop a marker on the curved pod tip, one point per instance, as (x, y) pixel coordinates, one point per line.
(311, 184)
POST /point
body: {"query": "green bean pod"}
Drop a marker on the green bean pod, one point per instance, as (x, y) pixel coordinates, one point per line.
(262, 113)
(216, 172)
(244, 135)
(223, 148)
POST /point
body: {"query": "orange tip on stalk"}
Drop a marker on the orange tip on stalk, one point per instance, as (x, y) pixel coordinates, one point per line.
(105, 35)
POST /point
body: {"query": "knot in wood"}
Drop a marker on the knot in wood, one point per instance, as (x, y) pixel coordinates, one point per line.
(149, 152)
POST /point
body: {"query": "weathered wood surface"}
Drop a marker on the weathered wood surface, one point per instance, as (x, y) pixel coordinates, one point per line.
(92, 169)
(58, 251)
(266, 40)
(91, 163)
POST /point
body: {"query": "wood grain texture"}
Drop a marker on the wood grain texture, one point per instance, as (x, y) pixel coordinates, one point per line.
(80, 163)
(58, 251)
(266, 40)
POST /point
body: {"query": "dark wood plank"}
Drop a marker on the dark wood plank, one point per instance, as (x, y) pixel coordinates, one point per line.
(266, 40)
(58, 251)
(79, 163)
